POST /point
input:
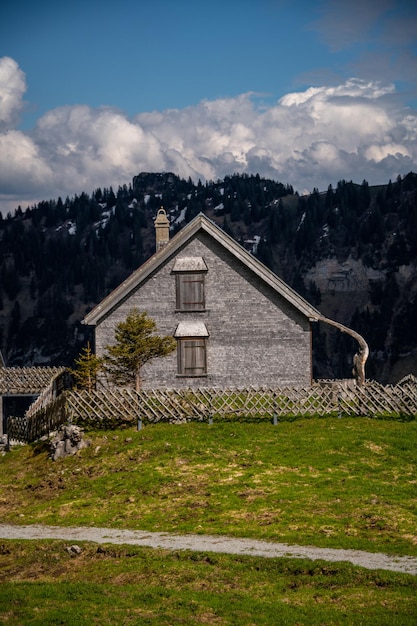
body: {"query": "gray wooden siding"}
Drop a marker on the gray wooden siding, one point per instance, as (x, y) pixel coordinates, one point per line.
(255, 337)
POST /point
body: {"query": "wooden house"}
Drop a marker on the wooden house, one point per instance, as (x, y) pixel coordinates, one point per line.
(235, 322)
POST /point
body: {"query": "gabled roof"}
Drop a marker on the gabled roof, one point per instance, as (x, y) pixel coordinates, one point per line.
(199, 223)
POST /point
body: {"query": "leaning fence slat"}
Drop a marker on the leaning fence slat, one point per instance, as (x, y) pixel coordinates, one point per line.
(112, 407)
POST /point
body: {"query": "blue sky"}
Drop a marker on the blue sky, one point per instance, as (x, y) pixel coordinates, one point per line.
(305, 92)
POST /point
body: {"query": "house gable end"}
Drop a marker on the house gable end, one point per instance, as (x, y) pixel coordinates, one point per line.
(200, 224)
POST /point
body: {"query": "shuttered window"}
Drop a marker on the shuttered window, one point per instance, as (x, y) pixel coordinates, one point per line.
(189, 281)
(192, 357)
(192, 348)
(190, 292)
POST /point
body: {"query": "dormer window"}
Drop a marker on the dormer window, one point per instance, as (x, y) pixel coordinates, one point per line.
(192, 349)
(189, 276)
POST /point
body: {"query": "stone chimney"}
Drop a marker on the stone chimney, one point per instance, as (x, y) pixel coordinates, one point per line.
(161, 229)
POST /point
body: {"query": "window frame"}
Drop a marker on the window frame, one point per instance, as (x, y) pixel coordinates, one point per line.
(191, 336)
(191, 363)
(190, 291)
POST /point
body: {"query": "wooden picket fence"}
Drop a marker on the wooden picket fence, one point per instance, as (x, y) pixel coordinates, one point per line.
(116, 407)
(47, 419)
(322, 399)
(47, 412)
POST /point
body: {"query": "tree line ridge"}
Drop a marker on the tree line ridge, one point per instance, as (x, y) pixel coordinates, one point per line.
(59, 258)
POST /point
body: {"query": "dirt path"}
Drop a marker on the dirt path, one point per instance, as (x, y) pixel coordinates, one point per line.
(207, 543)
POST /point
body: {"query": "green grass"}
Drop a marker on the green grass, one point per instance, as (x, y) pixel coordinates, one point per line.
(41, 584)
(347, 483)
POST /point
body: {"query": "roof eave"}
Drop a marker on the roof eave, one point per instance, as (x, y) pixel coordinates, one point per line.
(201, 222)
(263, 272)
(138, 276)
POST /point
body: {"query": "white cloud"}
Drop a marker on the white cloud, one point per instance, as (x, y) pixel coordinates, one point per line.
(12, 88)
(386, 34)
(354, 130)
(22, 167)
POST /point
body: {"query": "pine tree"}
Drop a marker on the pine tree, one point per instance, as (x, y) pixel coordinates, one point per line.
(88, 366)
(136, 344)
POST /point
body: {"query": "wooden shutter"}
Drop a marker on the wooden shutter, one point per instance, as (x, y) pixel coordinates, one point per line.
(190, 292)
(192, 357)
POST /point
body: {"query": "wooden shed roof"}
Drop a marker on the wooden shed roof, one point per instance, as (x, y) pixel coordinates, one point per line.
(26, 380)
(199, 223)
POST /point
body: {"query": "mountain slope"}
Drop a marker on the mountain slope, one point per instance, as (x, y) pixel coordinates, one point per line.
(351, 251)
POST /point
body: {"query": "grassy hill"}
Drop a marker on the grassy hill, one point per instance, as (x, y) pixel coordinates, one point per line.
(345, 483)
(341, 483)
(42, 585)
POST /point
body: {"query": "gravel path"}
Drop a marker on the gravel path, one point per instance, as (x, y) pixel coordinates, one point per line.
(207, 543)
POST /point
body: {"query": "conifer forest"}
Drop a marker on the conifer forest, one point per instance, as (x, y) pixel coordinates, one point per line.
(350, 250)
